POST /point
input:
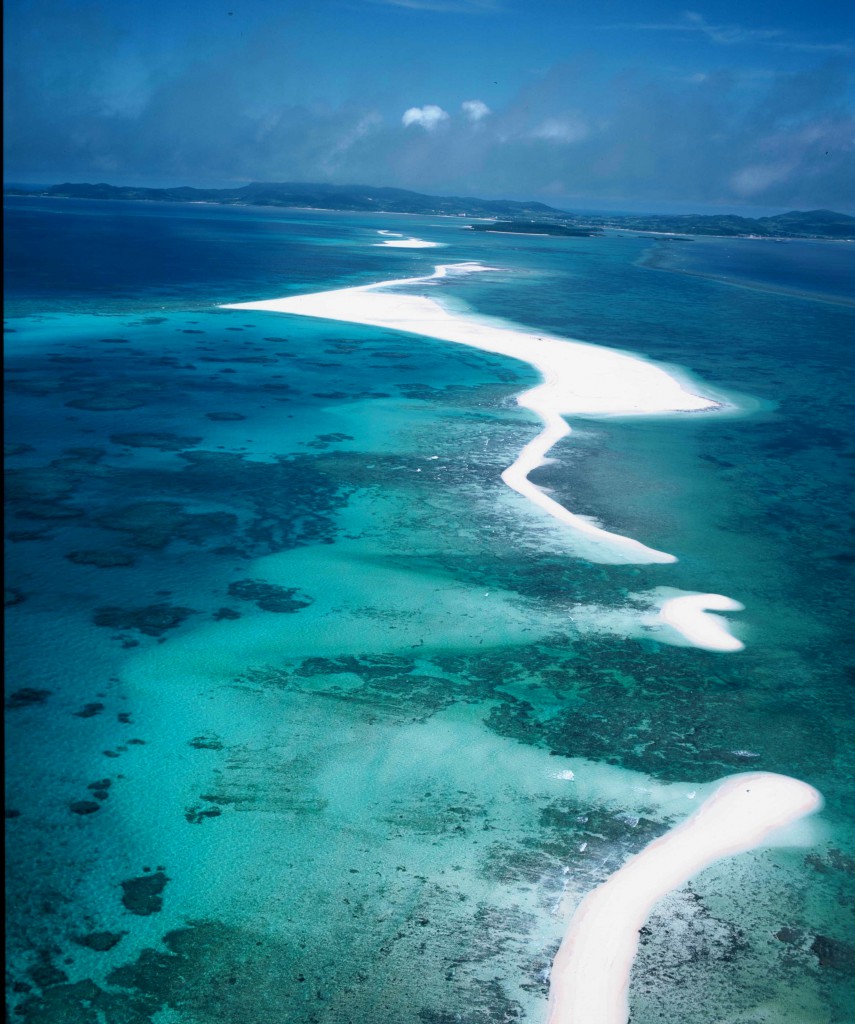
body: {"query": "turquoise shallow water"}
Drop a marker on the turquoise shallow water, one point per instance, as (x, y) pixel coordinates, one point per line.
(295, 685)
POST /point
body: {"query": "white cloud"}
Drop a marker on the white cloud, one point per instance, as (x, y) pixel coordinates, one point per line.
(817, 47)
(727, 35)
(757, 178)
(724, 35)
(366, 124)
(565, 129)
(475, 110)
(733, 35)
(428, 116)
(444, 6)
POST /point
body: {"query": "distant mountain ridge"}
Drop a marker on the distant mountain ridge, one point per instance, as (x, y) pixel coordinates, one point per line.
(302, 194)
(824, 224)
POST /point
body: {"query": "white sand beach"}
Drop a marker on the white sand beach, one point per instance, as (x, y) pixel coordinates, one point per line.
(578, 379)
(589, 981)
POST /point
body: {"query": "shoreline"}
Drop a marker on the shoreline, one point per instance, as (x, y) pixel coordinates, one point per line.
(564, 215)
(577, 379)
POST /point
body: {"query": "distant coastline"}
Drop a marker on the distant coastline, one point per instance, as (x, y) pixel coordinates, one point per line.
(509, 215)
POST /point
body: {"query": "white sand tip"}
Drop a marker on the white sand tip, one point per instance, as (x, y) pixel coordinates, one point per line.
(589, 981)
(682, 618)
(691, 616)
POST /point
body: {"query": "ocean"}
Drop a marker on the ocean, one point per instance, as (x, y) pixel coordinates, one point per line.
(311, 717)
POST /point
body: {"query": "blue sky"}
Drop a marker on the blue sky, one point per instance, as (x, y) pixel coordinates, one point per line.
(611, 104)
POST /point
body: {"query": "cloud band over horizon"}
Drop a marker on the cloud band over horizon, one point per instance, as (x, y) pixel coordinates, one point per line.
(84, 103)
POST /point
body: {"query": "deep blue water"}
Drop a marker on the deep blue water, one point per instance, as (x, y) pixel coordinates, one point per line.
(292, 677)
(821, 269)
(164, 256)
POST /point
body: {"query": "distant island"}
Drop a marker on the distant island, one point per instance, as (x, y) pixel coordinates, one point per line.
(825, 224)
(510, 215)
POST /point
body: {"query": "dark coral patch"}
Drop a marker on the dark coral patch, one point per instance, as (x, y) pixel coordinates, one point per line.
(101, 789)
(27, 696)
(323, 441)
(163, 442)
(206, 743)
(46, 511)
(105, 403)
(103, 559)
(43, 484)
(45, 974)
(226, 613)
(153, 524)
(269, 597)
(833, 953)
(89, 710)
(195, 816)
(101, 942)
(257, 360)
(153, 619)
(85, 806)
(144, 895)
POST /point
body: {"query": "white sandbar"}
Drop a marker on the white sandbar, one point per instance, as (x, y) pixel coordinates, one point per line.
(589, 982)
(578, 379)
(684, 618)
(410, 243)
(691, 616)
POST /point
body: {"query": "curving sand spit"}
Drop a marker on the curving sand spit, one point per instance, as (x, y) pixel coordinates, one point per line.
(578, 379)
(589, 982)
